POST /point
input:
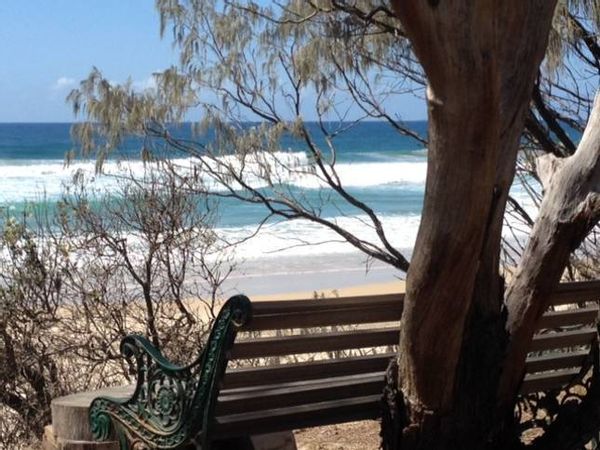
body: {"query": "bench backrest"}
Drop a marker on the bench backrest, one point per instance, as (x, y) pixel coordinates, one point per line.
(294, 341)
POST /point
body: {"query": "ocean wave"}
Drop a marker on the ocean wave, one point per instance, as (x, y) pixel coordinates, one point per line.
(262, 169)
(376, 174)
(33, 180)
(305, 238)
(390, 155)
(302, 238)
(28, 180)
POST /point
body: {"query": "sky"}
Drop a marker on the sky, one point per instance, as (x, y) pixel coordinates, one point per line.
(48, 46)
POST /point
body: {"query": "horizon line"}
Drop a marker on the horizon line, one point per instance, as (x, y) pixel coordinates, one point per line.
(191, 122)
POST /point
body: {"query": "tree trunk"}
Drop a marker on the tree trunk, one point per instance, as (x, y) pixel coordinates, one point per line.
(480, 59)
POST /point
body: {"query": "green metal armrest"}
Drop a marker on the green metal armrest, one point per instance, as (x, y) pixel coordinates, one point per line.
(171, 405)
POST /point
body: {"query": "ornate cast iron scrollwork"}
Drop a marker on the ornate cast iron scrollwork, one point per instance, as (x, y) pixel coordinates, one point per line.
(171, 405)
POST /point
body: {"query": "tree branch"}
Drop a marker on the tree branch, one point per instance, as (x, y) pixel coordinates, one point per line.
(569, 210)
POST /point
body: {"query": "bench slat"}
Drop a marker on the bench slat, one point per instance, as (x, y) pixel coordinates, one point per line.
(555, 361)
(301, 416)
(566, 293)
(254, 376)
(314, 343)
(547, 380)
(576, 292)
(550, 341)
(580, 316)
(366, 314)
(291, 394)
(310, 305)
(323, 342)
(383, 313)
(323, 312)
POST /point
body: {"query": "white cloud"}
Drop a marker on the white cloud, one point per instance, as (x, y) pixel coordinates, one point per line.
(149, 83)
(63, 83)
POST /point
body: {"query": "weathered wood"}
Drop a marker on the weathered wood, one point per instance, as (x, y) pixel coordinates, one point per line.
(284, 395)
(273, 315)
(551, 341)
(575, 292)
(310, 305)
(296, 384)
(555, 361)
(579, 316)
(284, 373)
(328, 317)
(301, 416)
(256, 376)
(565, 293)
(547, 380)
(314, 343)
(573, 288)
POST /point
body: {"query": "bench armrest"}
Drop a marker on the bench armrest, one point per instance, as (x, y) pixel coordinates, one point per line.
(159, 399)
(137, 346)
(171, 404)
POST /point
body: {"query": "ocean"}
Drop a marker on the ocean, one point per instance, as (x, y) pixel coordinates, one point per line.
(380, 167)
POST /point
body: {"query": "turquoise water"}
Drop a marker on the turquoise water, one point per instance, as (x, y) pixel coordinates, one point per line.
(376, 164)
(380, 167)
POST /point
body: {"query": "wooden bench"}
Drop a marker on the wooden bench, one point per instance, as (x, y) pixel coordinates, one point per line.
(314, 362)
(347, 387)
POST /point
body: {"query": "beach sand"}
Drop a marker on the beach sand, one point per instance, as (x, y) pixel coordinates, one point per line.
(302, 277)
(386, 287)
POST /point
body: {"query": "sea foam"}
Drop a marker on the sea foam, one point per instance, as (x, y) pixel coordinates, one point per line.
(28, 180)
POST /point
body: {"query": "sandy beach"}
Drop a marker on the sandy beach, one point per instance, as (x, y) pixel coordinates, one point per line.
(326, 275)
(388, 287)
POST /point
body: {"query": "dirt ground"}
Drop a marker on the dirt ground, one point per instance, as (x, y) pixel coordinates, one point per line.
(348, 436)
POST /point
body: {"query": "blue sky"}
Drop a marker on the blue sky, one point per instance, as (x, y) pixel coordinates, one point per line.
(49, 46)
